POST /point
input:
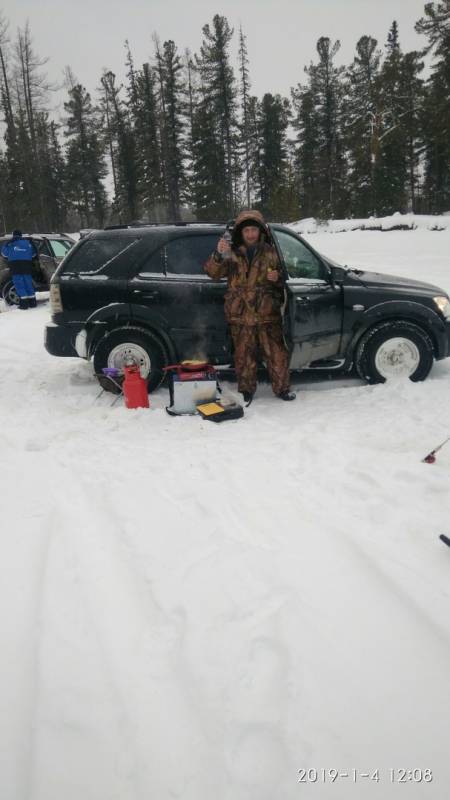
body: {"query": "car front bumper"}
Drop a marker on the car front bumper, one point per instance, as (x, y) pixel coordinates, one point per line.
(444, 348)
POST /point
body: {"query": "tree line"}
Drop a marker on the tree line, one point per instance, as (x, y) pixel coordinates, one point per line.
(184, 137)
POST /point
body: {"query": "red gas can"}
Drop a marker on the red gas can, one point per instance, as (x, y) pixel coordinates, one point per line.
(134, 388)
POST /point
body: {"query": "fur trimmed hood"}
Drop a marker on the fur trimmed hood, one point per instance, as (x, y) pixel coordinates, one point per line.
(253, 217)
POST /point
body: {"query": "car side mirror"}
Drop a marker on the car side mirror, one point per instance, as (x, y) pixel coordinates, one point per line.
(337, 274)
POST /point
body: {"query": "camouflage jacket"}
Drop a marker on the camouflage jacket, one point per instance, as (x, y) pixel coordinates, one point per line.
(251, 299)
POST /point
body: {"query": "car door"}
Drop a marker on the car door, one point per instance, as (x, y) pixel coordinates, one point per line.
(190, 302)
(314, 309)
(45, 266)
(202, 317)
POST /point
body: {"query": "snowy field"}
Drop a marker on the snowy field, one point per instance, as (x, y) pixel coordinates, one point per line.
(199, 612)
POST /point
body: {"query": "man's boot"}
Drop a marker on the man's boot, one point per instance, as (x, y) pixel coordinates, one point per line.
(287, 395)
(248, 397)
(32, 302)
(23, 303)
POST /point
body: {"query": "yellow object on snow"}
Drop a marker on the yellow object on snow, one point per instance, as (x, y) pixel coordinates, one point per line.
(210, 408)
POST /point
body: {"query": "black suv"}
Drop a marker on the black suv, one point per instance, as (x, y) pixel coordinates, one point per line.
(51, 247)
(142, 292)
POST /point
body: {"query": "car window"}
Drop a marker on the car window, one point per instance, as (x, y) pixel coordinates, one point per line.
(153, 262)
(187, 254)
(60, 247)
(300, 262)
(94, 255)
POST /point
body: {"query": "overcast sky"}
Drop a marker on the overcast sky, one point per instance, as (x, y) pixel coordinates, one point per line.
(89, 35)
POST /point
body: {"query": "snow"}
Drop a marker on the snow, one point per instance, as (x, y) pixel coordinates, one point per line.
(420, 254)
(198, 611)
(390, 223)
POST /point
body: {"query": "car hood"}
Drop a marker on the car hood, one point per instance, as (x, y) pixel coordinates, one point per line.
(379, 279)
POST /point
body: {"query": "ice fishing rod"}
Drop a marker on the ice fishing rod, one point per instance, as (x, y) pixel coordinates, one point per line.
(431, 457)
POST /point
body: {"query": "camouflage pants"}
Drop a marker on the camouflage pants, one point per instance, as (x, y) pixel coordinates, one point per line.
(267, 340)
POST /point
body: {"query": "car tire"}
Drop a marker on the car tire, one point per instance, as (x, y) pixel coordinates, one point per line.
(394, 349)
(138, 343)
(9, 293)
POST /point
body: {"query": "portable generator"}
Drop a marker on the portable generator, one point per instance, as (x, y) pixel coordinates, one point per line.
(190, 384)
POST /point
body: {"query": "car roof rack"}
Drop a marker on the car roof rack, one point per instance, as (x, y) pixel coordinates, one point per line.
(177, 223)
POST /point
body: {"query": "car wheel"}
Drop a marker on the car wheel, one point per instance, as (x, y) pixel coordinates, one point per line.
(117, 347)
(9, 293)
(394, 349)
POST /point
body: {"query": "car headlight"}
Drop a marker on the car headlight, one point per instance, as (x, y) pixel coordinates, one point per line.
(443, 304)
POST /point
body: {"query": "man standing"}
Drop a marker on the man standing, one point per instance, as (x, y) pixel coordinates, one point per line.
(19, 253)
(253, 303)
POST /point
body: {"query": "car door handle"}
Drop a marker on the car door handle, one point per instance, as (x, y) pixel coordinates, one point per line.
(303, 300)
(146, 295)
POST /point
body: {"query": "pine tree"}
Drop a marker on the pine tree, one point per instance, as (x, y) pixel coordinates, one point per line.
(125, 204)
(172, 110)
(362, 110)
(435, 24)
(391, 145)
(324, 95)
(132, 88)
(306, 158)
(53, 177)
(191, 101)
(24, 186)
(32, 88)
(286, 199)
(208, 192)
(24, 92)
(162, 119)
(413, 93)
(5, 77)
(255, 142)
(245, 124)
(151, 190)
(217, 107)
(110, 142)
(86, 166)
(10, 161)
(142, 113)
(274, 115)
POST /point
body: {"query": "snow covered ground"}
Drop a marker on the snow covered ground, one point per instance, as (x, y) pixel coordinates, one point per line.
(197, 611)
(393, 222)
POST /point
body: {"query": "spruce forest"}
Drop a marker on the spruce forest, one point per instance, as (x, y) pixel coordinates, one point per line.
(184, 137)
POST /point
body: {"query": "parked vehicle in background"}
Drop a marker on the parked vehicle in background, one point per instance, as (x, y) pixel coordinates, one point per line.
(51, 247)
(141, 293)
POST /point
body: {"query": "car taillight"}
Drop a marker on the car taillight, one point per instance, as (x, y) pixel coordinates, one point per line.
(56, 305)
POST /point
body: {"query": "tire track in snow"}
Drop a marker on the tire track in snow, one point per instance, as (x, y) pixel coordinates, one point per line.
(399, 659)
(84, 745)
(140, 651)
(23, 575)
(194, 619)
